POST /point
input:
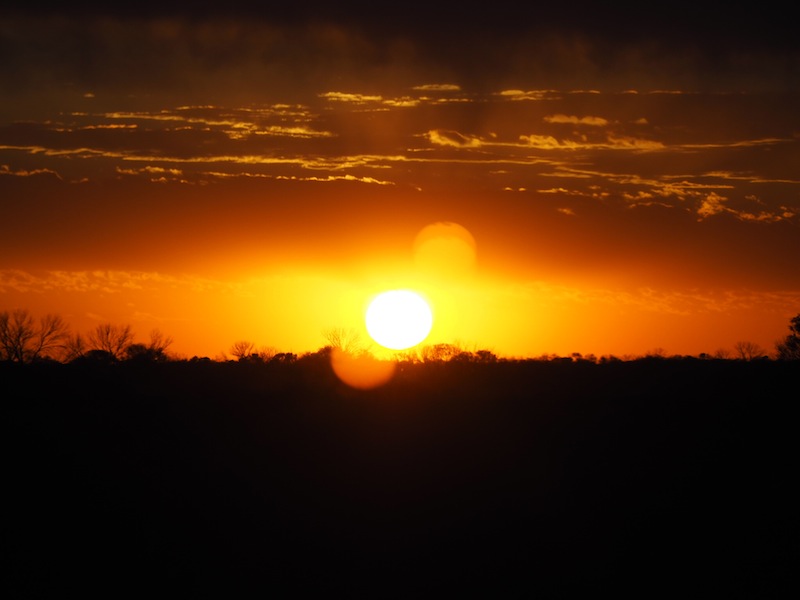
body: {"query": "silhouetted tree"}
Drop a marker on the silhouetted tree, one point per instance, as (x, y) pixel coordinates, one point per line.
(284, 357)
(155, 351)
(267, 353)
(440, 352)
(138, 352)
(242, 349)
(318, 361)
(609, 358)
(24, 340)
(485, 356)
(98, 357)
(408, 356)
(346, 340)
(789, 347)
(159, 342)
(111, 338)
(75, 347)
(199, 360)
(749, 350)
(455, 353)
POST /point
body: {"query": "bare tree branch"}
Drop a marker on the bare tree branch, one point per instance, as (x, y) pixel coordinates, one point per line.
(346, 340)
(749, 350)
(242, 349)
(111, 338)
(22, 340)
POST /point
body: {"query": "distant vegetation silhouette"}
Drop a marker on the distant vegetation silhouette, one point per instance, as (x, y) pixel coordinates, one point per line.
(24, 339)
(789, 347)
(464, 475)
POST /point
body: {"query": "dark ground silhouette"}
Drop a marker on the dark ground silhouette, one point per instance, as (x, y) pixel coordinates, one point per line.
(648, 478)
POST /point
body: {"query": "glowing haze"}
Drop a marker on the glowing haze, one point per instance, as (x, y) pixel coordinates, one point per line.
(555, 187)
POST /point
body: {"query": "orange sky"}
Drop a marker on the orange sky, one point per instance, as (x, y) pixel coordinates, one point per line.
(254, 177)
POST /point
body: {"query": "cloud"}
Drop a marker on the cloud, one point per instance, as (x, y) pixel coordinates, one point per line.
(105, 281)
(522, 95)
(351, 98)
(681, 302)
(437, 87)
(376, 138)
(374, 102)
(571, 119)
(453, 139)
(6, 170)
(278, 120)
(714, 204)
(547, 142)
(312, 178)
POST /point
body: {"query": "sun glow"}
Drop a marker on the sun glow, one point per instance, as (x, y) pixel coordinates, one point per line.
(398, 319)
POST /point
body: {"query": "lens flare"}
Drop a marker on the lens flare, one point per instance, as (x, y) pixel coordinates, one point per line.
(361, 371)
(445, 250)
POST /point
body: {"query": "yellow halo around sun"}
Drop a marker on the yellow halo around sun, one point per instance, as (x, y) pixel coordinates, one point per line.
(399, 319)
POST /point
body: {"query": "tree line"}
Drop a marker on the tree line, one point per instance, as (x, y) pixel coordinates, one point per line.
(25, 339)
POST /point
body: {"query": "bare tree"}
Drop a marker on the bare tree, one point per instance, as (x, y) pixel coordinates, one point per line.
(109, 338)
(410, 356)
(440, 352)
(156, 350)
(159, 342)
(242, 349)
(346, 340)
(749, 350)
(266, 353)
(75, 347)
(51, 337)
(16, 331)
(23, 340)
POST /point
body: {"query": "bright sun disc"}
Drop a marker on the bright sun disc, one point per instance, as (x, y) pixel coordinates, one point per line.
(399, 319)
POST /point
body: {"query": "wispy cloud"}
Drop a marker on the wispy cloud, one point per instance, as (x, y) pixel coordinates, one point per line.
(573, 120)
(453, 139)
(683, 302)
(106, 282)
(6, 170)
(437, 87)
(597, 151)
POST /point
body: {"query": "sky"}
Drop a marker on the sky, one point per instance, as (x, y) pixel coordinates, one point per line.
(555, 180)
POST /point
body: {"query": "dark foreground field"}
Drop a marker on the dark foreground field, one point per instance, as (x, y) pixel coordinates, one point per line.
(648, 478)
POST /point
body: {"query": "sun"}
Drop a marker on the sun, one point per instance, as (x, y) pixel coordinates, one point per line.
(399, 319)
